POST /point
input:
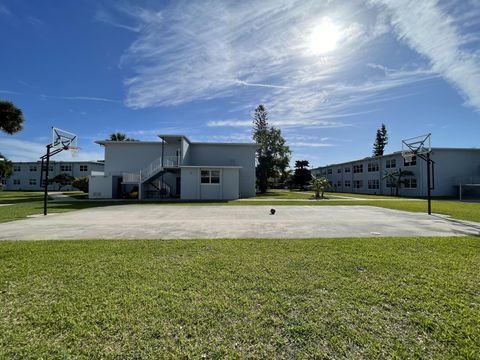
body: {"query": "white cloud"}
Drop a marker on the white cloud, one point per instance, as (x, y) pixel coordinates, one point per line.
(201, 51)
(206, 50)
(429, 29)
(9, 92)
(278, 123)
(104, 16)
(4, 10)
(309, 145)
(81, 98)
(23, 150)
(198, 51)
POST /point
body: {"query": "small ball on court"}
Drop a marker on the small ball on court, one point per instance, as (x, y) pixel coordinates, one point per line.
(272, 211)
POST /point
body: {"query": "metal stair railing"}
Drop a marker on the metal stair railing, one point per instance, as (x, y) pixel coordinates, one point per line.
(153, 168)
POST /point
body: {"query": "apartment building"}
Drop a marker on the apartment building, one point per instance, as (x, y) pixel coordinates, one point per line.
(26, 175)
(453, 166)
(175, 167)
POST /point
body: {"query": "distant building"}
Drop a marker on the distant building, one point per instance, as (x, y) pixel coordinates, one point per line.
(26, 175)
(453, 166)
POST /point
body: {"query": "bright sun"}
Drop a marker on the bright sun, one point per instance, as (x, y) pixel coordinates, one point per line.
(324, 38)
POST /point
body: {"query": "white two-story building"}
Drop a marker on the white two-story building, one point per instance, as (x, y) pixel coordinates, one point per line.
(27, 175)
(453, 167)
(175, 167)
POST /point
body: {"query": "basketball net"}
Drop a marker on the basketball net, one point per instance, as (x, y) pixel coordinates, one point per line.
(74, 150)
(408, 156)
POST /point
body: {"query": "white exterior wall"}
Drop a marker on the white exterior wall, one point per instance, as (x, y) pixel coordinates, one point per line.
(190, 183)
(450, 165)
(235, 161)
(130, 156)
(228, 155)
(100, 187)
(230, 184)
(24, 175)
(193, 189)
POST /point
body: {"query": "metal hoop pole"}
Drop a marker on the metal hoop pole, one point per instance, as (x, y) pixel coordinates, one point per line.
(429, 187)
(45, 194)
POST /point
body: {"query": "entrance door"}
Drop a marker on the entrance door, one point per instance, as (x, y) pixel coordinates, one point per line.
(177, 186)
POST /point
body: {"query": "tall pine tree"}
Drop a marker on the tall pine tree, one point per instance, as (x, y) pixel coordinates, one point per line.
(273, 154)
(381, 140)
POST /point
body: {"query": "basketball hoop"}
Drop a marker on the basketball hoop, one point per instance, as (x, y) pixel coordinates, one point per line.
(61, 140)
(408, 156)
(420, 147)
(74, 151)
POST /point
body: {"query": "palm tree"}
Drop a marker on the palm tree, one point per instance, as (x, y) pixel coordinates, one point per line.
(120, 137)
(11, 118)
(395, 177)
(391, 178)
(5, 169)
(320, 185)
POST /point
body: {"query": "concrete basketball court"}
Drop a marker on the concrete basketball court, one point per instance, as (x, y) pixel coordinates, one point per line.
(200, 222)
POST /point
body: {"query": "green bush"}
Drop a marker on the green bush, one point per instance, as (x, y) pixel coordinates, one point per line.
(81, 184)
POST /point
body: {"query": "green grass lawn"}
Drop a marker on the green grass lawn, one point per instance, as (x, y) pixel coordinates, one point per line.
(455, 209)
(285, 194)
(308, 194)
(12, 197)
(317, 298)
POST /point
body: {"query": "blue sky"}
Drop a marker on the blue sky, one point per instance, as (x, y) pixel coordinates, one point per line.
(329, 72)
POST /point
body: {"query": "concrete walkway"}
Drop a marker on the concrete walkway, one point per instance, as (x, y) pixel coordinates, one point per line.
(61, 197)
(195, 222)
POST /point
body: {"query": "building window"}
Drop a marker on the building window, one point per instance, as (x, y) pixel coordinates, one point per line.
(410, 183)
(17, 168)
(373, 184)
(372, 167)
(347, 169)
(33, 168)
(347, 183)
(50, 168)
(358, 169)
(65, 168)
(50, 182)
(357, 184)
(391, 164)
(339, 170)
(32, 182)
(16, 181)
(210, 177)
(329, 171)
(3, 182)
(83, 167)
(412, 162)
(339, 183)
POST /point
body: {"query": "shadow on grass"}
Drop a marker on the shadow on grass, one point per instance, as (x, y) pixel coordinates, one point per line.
(21, 200)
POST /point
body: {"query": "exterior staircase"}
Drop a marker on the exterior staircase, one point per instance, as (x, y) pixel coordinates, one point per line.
(152, 172)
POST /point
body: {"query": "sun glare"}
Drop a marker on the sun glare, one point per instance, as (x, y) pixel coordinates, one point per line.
(324, 38)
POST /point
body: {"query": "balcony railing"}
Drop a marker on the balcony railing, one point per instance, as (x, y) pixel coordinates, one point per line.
(131, 178)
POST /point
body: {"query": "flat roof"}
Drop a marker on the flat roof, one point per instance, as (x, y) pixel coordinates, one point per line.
(393, 153)
(103, 142)
(211, 166)
(165, 137)
(101, 162)
(224, 143)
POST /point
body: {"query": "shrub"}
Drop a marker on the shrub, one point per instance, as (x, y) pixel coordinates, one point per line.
(81, 184)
